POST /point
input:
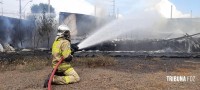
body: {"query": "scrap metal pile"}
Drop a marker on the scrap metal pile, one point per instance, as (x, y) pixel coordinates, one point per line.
(185, 46)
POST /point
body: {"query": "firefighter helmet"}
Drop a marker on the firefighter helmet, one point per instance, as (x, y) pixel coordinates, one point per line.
(62, 29)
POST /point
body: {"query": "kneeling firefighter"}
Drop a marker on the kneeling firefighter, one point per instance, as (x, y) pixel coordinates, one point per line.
(62, 49)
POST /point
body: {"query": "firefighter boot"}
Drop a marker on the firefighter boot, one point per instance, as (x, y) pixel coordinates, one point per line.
(46, 81)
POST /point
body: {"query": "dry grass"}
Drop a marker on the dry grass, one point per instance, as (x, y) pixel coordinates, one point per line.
(25, 64)
(37, 63)
(32, 66)
(98, 61)
(183, 71)
(153, 59)
(120, 73)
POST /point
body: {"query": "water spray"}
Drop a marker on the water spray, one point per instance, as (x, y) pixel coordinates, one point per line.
(140, 23)
(146, 21)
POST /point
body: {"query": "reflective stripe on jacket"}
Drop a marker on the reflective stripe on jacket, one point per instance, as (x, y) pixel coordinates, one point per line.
(61, 48)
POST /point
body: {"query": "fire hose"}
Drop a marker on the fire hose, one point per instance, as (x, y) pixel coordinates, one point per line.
(49, 79)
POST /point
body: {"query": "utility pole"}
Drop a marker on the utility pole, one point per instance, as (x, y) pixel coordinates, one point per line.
(114, 9)
(117, 16)
(95, 10)
(171, 11)
(20, 9)
(19, 31)
(2, 10)
(49, 6)
(1, 7)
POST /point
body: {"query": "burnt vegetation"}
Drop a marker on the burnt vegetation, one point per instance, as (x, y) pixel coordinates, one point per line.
(36, 31)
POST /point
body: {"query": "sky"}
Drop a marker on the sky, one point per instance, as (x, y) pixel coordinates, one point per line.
(181, 8)
(187, 5)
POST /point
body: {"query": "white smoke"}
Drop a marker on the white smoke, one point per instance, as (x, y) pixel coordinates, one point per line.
(85, 7)
(144, 20)
(164, 7)
(73, 6)
(104, 7)
(1, 48)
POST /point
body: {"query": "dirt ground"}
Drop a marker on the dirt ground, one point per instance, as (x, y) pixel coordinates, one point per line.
(125, 74)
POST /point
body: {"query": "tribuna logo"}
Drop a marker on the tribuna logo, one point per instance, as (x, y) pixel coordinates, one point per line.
(180, 78)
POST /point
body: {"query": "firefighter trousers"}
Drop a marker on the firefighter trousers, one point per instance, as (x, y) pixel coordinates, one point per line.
(70, 76)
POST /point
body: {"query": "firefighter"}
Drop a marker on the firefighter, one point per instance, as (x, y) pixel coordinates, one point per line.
(62, 48)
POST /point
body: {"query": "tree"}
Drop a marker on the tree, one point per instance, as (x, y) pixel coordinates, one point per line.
(45, 23)
(45, 26)
(41, 8)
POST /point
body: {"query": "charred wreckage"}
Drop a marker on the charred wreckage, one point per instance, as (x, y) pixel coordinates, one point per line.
(184, 46)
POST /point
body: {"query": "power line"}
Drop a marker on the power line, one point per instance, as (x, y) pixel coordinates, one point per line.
(26, 4)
